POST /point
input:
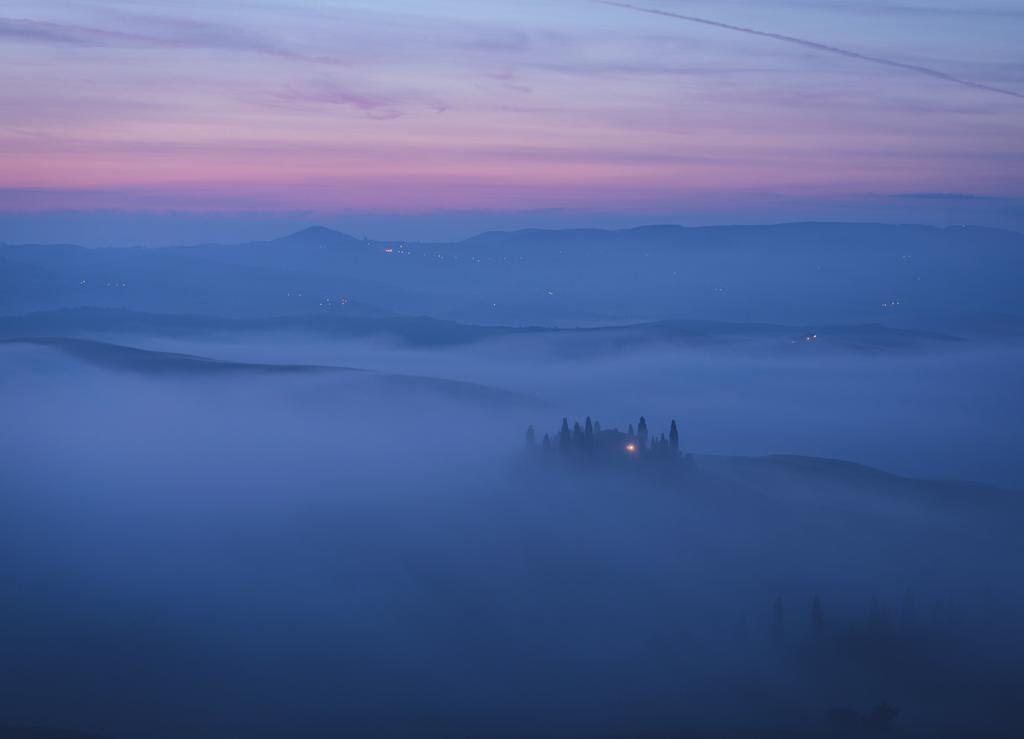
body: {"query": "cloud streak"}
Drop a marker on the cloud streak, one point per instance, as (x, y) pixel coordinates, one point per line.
(873, 8)
(23, 29)
(806, 43)
(374, 105)
(180, 36)
(958, 196)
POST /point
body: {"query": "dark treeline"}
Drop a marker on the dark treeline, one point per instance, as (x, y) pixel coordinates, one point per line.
(590, 440)
(902, 655)
(867, 663)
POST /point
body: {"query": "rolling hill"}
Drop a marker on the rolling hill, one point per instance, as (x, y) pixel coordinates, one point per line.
(423, 331)
(119, 358)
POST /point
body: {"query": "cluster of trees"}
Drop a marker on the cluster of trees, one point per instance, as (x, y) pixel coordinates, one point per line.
(843, 655)
(877, 631)
(949, 651)
(590, 439)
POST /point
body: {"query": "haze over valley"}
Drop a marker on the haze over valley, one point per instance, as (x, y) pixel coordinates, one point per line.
(391, 369)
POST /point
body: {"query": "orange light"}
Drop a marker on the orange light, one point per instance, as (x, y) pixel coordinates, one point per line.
(630, 448)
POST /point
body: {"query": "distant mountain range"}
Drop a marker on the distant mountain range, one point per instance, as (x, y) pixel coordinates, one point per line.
(795, 273)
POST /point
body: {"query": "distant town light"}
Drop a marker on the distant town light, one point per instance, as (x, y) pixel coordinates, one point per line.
(631, 448)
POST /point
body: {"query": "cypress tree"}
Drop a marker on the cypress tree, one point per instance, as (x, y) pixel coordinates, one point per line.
(742, 630)
(597, 427)
(631, 432)
(908, 611)
(641, 432)
(778, 622)
(878, 619)
(531, 438)
(817, 617)
(588, 429)
(563, 437)
(546, 444)
(673, 436)
(578, 440)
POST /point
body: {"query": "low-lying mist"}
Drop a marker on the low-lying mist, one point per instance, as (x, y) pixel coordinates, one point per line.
(945, 412)
(313, 554)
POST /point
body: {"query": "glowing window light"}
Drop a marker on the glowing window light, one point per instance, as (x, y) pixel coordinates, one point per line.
(630, 447)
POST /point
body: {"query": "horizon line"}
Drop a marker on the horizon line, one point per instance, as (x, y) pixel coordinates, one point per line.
(705, 227)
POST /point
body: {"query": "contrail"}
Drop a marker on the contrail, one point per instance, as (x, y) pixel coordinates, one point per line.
(820, 47)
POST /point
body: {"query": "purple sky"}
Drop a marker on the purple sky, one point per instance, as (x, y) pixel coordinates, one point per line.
(436, 119)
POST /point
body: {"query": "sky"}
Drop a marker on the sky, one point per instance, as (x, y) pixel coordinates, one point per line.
(157, 121)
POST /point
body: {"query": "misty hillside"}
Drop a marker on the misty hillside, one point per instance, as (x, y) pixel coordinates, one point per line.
(300, 468)
(795, 273)
(339, 519)
(423, 331)
(162, 364)
(369, 562)
(355, 382)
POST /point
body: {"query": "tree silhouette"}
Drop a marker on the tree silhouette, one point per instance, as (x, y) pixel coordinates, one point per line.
(908, 611)
(545, 445)
(584, 440)
(741, 630)
(878, 619)
(578, 440)
(880, 718)
(817, 617)
(778, 622)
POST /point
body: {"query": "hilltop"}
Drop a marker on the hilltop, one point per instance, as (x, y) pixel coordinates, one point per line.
(790, 273)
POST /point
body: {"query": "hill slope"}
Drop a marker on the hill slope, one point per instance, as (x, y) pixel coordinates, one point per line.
(120, 358)
(423, 331)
